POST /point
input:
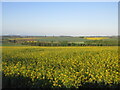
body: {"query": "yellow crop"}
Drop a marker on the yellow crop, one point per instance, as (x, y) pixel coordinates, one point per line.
(22, 38)
(96, 38)
(60, 66)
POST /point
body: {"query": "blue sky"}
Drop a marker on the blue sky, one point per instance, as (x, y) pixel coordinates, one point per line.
(60, 18)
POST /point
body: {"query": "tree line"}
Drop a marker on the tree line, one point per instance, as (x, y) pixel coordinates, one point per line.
(66, 43)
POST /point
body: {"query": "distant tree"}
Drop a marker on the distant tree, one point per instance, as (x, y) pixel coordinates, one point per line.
(81, 37)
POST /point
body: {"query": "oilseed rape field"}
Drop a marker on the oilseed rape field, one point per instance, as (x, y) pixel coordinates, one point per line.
(96, 38)
(60, 67)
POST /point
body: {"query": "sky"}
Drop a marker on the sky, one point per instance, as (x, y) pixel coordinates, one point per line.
(60, 18)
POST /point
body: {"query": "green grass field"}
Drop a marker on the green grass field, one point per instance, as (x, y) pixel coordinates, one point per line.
(57, 39)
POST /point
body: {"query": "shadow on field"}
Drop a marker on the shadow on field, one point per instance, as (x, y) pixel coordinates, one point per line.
(23, 82)
(20, 82)
(101, 85)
